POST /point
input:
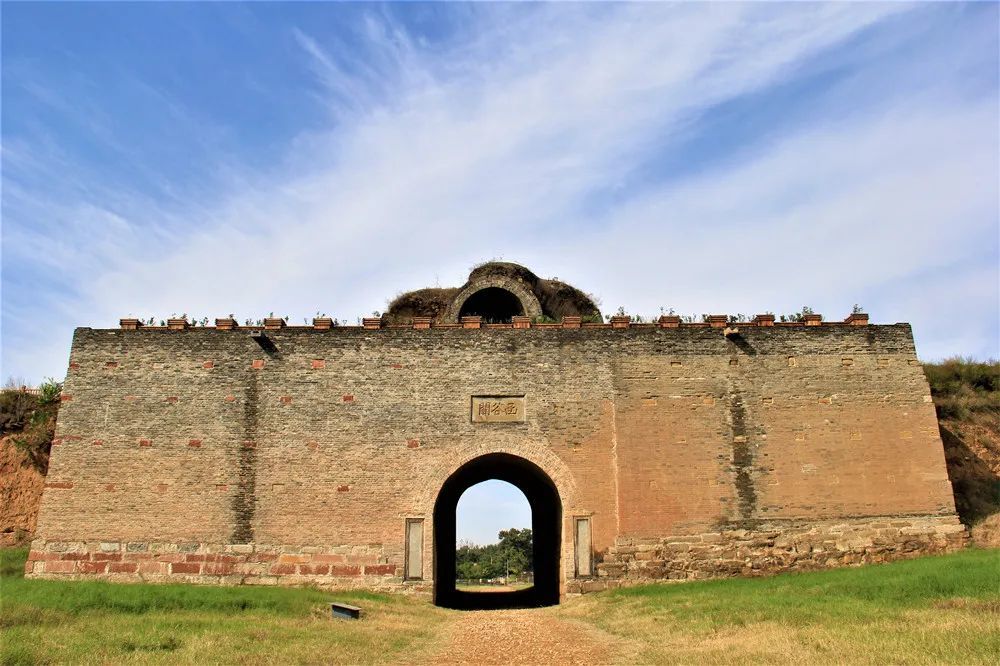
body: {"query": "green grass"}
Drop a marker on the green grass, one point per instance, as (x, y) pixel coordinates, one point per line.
(927, 610)
(12, 563)
(841, 594)
(943, 609)
(49, 621)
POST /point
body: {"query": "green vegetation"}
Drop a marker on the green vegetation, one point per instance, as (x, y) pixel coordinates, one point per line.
(967, 398)
(96, 622)
(732, 318)
(31, 419)
(11, 565)
(512, 556)
(931, 610)
(963, 388)
(942, 609)
(801, 314)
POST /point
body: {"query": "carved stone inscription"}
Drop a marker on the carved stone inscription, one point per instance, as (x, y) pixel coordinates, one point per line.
(498, 409)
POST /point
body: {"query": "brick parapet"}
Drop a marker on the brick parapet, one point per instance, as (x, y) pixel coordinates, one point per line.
(874, 338)
(519, 322)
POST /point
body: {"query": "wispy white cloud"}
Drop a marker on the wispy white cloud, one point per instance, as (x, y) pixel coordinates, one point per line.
(498, 145)
(825, 213)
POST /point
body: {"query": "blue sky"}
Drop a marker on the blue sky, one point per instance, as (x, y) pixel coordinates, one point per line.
(247, 158)
(488, 507)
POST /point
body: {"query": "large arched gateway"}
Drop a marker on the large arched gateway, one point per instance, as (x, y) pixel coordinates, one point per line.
(546, 524)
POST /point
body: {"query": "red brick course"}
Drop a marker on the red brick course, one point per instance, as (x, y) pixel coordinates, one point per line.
(185, 568)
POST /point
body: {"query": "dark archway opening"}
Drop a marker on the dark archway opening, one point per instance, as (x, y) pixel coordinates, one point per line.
(546, 526)
(493, 304)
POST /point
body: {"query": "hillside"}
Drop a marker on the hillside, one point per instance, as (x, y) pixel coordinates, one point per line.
(20, 493)
(967, 397)
(27, 425)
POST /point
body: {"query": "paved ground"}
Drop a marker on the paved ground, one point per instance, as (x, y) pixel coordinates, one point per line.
(519, 637)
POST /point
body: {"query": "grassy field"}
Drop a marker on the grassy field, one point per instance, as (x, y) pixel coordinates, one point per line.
(72, 622)
(931, 610)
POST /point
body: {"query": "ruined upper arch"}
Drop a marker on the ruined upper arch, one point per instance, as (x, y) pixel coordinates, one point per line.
(496, 291)
(494, 298)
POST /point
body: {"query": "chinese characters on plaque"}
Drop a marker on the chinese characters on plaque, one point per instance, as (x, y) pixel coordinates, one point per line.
(498, 409)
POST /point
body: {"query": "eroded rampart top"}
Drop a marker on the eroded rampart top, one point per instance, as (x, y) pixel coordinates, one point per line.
(496, 291)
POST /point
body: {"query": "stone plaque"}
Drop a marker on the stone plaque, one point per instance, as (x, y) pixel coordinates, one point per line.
(498, 409)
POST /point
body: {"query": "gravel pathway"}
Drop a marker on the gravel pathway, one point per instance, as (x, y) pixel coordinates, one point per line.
(519, 637)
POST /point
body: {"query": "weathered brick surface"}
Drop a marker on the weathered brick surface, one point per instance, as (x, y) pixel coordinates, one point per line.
(793, 545)
(321, 448)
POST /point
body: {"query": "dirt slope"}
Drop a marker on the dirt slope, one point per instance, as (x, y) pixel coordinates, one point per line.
(972, 450)
(20, 493)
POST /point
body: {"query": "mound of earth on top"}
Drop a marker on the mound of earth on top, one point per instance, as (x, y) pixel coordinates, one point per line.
(552, 299)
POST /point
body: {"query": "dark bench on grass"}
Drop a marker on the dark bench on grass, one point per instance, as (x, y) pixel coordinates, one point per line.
(345, 611)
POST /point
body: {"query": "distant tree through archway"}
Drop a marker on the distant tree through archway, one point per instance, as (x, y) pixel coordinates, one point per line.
(494, 550)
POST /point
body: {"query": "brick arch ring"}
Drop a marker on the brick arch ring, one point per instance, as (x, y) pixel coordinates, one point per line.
(539, 455)
(529, 302)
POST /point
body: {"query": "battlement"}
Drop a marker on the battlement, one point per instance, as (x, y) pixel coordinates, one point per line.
(501, 295)
(517, 322)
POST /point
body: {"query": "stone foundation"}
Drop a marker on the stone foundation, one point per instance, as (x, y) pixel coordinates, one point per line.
(771, 548)
(218, 564)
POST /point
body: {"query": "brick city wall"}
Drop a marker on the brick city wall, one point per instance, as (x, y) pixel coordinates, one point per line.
(768, 548)
(201, 455)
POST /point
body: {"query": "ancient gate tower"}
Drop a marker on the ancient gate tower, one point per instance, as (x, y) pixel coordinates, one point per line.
(336, 454)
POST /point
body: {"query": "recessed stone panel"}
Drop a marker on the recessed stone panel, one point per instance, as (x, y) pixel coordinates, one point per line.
(498, 409)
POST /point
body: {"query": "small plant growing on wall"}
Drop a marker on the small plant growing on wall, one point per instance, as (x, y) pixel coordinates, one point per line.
(797, 316)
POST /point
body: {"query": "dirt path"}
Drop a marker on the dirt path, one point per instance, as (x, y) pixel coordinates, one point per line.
(519, 637)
